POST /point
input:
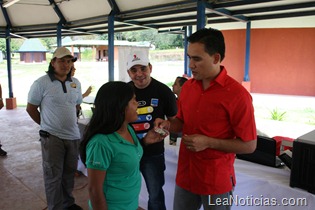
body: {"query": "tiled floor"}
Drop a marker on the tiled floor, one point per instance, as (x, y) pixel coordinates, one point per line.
(21, 179)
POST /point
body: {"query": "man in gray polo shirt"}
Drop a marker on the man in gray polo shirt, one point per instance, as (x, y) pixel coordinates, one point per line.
(53, 101)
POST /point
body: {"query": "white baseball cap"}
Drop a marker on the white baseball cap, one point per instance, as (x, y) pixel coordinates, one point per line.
(137, 58)
(61, 52)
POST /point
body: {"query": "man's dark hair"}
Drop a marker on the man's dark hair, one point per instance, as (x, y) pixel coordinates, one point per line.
(212, 39)
(51, 69)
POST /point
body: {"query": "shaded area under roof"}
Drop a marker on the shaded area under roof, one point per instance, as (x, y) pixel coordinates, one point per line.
(82, 17)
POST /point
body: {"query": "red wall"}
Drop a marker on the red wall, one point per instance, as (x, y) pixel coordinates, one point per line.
(282, 61)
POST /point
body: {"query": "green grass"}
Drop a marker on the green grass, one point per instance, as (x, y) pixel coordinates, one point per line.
(23, 76)
(294, 115)
(96, 74)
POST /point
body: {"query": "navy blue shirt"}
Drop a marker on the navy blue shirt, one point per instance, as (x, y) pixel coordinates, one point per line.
(155, 101)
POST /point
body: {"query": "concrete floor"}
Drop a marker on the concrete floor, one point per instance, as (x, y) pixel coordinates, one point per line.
(21, 177)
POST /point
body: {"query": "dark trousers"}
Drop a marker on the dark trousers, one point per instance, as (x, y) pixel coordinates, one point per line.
(185, 200)
(60, 159)
(152, 169)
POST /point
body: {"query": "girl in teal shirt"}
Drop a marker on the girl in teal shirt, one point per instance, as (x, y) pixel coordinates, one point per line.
(111, 150)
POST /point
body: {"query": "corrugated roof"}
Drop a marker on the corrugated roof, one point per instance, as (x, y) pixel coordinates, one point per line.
(32, 45)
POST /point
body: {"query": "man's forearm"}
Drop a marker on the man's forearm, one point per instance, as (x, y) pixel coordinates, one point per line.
(36, 117)
(176, 125)
(34, 114)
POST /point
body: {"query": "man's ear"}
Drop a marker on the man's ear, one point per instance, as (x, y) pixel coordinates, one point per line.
(150, 66)
(217, 58)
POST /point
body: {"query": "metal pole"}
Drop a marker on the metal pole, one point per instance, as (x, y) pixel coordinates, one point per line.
(111, 46)
(8, 46)
(247, 53)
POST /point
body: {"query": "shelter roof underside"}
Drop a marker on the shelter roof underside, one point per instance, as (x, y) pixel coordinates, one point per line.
(41, 18)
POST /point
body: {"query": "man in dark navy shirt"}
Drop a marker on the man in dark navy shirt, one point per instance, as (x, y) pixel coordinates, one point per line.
(155, 100)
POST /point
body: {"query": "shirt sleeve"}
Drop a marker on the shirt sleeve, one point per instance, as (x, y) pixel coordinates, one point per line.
(98, 153)
(80, 98)
(171, 106)
(35, 94)
(243, 118)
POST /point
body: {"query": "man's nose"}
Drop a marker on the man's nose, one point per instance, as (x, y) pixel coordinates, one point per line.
(191, 64)
(138, 72)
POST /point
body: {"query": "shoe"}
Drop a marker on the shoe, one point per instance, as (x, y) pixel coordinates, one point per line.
(74, 207)
(2, 152)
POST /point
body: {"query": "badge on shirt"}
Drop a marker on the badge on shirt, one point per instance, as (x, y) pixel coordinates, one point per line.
(73, 85)
(141, 103)
(141, 126)
(145, 110)
(144, 118)
(154, 102)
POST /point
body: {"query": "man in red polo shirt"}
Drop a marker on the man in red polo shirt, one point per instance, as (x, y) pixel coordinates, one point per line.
(216, 116)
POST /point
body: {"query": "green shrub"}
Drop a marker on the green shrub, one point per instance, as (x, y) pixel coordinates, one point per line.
(87, 55)
(277, 115)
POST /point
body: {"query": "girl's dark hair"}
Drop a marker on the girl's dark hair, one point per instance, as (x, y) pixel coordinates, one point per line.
(212, 39)
(181, 80)
(109, 113)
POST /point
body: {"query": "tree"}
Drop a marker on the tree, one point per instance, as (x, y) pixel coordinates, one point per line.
(2, 45)
(48, 42)
(161, 41)
(15, 45)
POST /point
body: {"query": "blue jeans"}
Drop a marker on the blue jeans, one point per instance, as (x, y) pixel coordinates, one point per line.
(152, 169)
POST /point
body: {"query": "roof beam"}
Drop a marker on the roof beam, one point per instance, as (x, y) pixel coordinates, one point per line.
(139, 15)
(6, 16)
(114, 6)
(226, 13)
(164, 7)
(78, 32)
(241, 3)
(22, 37)
(283, 15)
(58, 12)
(9, 3)
(136, 23)
(276, 8)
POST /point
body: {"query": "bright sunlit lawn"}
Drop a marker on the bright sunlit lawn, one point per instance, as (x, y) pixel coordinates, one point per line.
(287, 109)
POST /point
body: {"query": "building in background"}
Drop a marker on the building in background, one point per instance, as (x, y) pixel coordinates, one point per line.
(32, 51)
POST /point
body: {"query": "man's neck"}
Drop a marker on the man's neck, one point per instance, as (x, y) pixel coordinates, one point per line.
(62, 78)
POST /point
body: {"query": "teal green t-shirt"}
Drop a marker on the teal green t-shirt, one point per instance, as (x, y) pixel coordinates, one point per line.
(121, 161)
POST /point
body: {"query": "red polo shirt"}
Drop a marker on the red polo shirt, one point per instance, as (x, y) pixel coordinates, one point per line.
(224, 111)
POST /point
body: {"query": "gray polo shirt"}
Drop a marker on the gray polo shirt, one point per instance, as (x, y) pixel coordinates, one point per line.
(57, 101)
